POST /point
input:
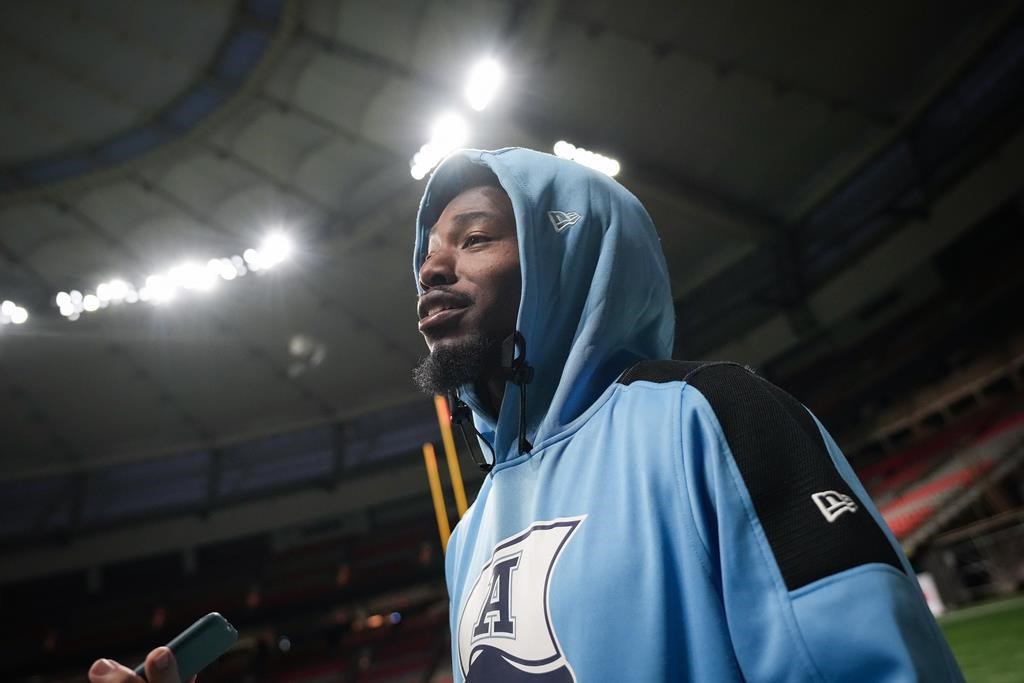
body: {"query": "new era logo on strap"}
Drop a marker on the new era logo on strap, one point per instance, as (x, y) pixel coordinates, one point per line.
(563, 219)
(832, 504)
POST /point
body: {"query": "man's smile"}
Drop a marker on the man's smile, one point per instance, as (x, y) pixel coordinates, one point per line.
(437, 307)
(439, 318)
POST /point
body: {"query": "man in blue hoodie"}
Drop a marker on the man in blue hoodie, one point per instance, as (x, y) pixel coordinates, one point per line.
(642, 519)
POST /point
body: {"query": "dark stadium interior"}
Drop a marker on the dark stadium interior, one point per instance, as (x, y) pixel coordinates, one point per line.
(839, 190)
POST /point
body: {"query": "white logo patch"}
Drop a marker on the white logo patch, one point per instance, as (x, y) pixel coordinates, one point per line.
(505, 630)
(562, 219)
(832, 504)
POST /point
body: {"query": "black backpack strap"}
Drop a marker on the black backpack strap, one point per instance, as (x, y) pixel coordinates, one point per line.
(814, 521)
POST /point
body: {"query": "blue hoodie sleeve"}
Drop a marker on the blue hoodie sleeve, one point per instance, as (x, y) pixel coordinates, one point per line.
(813, 585)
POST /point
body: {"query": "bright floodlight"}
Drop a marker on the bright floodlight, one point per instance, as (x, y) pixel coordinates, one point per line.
(485, 79)
(449, 132)
(118, 290)
(11, 312)
(596, 161)
(190, 275)
(223, 268)
(253, 259)
(158, 289)
(275, 248)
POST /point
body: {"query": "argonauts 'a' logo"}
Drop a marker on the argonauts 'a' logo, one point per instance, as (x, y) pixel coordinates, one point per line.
(505, 630)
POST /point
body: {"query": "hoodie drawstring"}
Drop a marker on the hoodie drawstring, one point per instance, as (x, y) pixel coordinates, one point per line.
(520, 373)
(517, 371)
(461, 415)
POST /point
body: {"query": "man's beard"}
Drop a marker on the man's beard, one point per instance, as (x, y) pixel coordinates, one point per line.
(449, 366)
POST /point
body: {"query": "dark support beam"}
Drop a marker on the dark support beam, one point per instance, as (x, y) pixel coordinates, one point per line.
(290, 108)
(283, 185)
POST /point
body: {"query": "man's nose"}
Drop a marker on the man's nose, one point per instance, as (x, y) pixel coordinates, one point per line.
(439, 269)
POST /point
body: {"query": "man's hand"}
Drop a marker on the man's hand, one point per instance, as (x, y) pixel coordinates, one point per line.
(160, 668)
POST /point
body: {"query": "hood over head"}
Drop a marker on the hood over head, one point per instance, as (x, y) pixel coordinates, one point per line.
(595, 290)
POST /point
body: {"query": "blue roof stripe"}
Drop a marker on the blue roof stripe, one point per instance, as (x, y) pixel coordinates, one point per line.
(193, 107)
(240, 54)
(243, 48)
(131, 144)
(56, 169)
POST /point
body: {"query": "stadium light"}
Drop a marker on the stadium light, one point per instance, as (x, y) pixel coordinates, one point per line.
(114, 291)
(224, 268)
(158, 289)
(448, 133)
(13, 314)
(596, 161)
(118, 289)
(276, 248)
(485, 79)
(187, 276)
(190, 276)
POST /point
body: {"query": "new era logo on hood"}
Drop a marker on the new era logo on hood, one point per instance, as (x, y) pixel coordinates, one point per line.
(832, 504)
(562, 219)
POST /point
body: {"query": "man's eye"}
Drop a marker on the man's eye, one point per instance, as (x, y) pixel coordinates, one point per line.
(474, 239)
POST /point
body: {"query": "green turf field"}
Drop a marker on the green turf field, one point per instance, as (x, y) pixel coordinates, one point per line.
(988, 640)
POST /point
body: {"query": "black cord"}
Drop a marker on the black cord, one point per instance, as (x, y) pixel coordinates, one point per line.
(460, 416)
(517, 371)
(520, 373)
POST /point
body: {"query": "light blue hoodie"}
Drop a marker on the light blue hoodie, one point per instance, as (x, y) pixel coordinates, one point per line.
(672, 521)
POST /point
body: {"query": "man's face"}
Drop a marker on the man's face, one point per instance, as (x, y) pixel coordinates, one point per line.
(471, 272)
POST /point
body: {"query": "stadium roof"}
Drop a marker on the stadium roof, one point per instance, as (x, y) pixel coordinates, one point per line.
(802, 161)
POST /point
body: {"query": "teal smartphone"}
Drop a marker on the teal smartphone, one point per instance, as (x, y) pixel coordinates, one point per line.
(198, 645)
